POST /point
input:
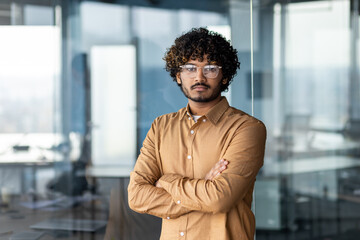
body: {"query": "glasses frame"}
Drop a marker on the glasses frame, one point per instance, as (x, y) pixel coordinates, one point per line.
(197, 68)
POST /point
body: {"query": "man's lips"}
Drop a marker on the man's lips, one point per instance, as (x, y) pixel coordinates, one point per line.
(199, 87)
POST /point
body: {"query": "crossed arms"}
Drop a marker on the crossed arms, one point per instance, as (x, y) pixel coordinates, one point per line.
(173, 195)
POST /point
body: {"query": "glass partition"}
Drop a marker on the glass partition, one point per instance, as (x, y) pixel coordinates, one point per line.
(31, 142)
(82, 81)
(307, 80)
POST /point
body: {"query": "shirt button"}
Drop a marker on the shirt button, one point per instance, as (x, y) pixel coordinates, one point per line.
(178, 202)
(204, 120)
(182, 233)
(167, 217)
(189, 118)
(192, 131)
(189, 157)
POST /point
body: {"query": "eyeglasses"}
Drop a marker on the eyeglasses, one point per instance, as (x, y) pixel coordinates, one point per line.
(209, 71)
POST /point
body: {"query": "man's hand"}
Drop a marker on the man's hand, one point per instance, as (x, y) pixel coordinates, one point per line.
(217, 169)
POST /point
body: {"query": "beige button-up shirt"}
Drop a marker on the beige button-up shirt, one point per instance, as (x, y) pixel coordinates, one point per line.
(179, 152)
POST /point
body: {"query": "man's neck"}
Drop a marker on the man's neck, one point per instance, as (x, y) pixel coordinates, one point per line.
(201, 108)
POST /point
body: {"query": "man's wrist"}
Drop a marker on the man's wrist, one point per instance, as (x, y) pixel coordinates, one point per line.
(167, 180)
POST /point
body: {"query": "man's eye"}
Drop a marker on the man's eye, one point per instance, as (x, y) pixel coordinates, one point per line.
(210, 69)
(190, 69)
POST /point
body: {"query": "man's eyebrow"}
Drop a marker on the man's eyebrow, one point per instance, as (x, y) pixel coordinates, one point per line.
(208, 63)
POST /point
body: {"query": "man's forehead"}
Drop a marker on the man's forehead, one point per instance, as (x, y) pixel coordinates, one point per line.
(198, 60)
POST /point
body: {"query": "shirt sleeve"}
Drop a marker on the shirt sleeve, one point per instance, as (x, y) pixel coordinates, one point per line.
(245, 154)
(143, 196)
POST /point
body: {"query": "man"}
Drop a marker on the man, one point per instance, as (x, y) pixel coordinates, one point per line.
(197, 167)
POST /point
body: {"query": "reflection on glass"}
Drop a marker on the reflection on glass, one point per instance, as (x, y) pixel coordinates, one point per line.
(309, 180)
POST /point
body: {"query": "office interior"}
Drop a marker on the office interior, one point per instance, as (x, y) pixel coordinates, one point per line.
(82, 81)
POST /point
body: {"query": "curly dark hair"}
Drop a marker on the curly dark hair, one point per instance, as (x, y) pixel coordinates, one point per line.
(194, 45)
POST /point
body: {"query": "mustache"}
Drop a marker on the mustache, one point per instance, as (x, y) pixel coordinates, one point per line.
(199, 84)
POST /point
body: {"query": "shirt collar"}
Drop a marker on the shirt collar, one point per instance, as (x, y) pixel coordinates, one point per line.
(214, 114)
(184, 112)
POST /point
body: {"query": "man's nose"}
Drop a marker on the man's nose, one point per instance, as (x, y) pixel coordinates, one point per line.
(200, 75)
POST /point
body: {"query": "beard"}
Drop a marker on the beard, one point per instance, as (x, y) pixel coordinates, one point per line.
(200, 98)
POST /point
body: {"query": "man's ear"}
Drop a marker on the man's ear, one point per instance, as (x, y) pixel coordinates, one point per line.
(224, 81)
(178, 79)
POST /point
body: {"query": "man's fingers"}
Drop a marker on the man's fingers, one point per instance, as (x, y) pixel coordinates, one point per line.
(158, 185)
(213, 174)
(222, 165)
(218, 168)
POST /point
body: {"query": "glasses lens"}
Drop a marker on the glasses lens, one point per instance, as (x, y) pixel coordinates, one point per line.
(189, 70)
(211, 71)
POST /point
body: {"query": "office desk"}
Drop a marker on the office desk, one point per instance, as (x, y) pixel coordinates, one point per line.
(21, 162)
(312, 144)
(119, 172)
(316, 164)
(18, 219)
(296, 183)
